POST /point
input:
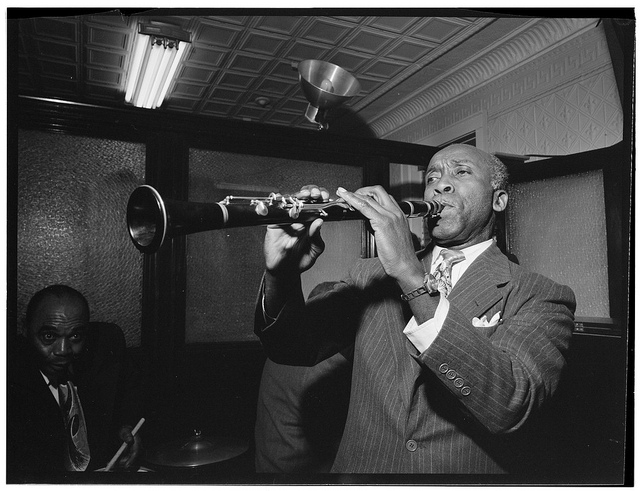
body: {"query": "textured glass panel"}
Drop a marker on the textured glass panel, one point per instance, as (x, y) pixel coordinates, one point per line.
(72, 199)
(224, 267)
(557, 227)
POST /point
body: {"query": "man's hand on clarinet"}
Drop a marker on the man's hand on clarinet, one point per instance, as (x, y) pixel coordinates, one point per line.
(391, 229)
(294, 248)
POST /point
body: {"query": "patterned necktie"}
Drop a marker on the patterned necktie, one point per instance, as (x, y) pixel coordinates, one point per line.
(442, 274)
(77, 455)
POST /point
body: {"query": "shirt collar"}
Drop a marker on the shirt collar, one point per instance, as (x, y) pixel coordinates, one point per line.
(470, 253)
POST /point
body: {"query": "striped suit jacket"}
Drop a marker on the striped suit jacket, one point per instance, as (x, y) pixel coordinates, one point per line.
(455, 407)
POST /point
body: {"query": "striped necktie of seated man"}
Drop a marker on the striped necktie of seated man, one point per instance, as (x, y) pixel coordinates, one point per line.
(77, 456)
(442, 274)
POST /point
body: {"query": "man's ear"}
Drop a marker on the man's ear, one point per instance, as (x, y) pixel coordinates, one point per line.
(500, 199)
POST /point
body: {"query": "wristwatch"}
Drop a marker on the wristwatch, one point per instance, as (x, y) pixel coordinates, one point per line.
(429, 285)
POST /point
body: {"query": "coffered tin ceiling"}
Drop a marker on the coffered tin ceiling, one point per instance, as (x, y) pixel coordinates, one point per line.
(233, 60)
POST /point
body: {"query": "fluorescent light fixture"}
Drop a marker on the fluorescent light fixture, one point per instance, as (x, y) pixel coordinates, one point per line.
(157, 51)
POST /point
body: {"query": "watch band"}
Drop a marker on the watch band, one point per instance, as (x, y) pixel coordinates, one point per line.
(429, 286)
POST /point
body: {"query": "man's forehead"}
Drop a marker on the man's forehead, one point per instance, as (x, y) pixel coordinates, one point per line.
(456, 155)
(53, 308)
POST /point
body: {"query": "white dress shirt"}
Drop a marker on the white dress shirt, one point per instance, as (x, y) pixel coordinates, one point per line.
(422, 335)
(54, 390)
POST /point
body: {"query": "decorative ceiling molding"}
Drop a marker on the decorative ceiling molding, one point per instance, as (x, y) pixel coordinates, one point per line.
(495, 61)
(582, 56)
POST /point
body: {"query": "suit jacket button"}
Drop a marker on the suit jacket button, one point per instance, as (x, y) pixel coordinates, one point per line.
(451, 374)
(443, 368)
(458, 382)
(412, 446)
(466, 390)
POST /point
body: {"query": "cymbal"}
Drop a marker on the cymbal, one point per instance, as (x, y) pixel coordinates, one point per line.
(196, 451)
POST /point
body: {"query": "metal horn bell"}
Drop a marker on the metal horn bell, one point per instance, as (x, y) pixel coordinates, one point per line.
(325, 85)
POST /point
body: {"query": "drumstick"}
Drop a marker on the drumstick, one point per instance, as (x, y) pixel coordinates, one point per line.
(122, 447)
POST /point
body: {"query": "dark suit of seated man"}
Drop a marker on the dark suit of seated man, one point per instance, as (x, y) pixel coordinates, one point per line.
(62, 346)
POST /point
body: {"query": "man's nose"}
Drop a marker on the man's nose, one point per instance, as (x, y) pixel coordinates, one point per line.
(444, 185)
(63, 347)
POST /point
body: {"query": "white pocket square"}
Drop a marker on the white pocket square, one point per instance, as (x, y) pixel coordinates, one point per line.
(483, 322)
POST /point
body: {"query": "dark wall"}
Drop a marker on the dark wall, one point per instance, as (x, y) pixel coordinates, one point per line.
(71, 196)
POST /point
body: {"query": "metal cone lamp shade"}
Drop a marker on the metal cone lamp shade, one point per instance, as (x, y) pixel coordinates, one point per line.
(325, 85)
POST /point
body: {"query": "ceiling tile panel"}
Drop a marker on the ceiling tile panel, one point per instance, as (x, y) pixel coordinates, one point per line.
(369, 41)
(239, 20)
(107, 38)
(220, 94)
(217, 108)
(352, 62)
(185, 23)
(262, 42)
(368, 85)
(279, 23)
(247, 62)
(437, 30)
(295, 106)
(217, 34)
(327, 31)
(236, 80)
(395, 24)
(115, 20)
(275, 86)
(251, 112)
(384, 69)
(51, 68)
(284, 69)
(350, 18)
(60, 51)
(104, 77)
(64, 30)
(108, 59)
(205, 56)
(306, 51)
(197, 74)
(190, 90)
(409, 51)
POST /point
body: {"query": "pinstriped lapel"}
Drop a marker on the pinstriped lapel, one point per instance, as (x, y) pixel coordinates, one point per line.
(479, 287)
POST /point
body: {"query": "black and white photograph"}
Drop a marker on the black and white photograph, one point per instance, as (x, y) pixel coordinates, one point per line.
(319, 246)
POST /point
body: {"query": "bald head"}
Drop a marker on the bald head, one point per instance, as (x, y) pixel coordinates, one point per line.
(56, 326)
(499, 172)
(56, 294)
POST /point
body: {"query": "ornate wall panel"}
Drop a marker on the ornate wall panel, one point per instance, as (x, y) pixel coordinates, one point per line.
(556, 227)
(563, 101)
(224, 267)
(72, 196)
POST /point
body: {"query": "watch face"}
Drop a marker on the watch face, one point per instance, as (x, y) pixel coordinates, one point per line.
(431, 284)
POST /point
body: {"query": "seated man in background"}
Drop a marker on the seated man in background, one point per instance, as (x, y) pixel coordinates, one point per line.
(73, 397)
(301, 412)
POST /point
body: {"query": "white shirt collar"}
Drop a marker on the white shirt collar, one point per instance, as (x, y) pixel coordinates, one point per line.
(54, 390)
(470, 255)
